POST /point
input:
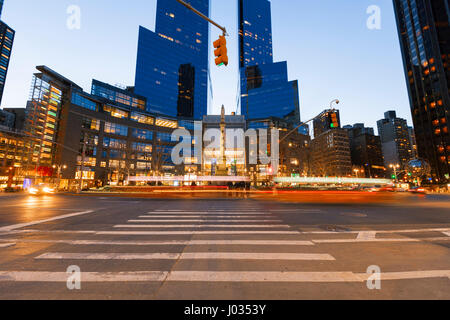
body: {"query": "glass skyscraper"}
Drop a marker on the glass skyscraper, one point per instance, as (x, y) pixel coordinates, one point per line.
(424, 32)
(265, 88)
(172, 62)
(6, 42)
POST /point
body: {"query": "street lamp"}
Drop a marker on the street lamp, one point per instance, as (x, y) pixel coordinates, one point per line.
(60, 168)
(337, 101)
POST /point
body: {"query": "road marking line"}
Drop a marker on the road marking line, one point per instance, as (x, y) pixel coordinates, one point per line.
(365, 240)
(207, 216)
(367, 235)
(190, 233)
(379, 231)
(297, 210)
(252, 277)
(26, 276)
(409, 275)
(170, 243)
(23, 225)
(202, 220)
(187, 256)
(199, 226)
(6, 245)
(208, 276)
(58, 231)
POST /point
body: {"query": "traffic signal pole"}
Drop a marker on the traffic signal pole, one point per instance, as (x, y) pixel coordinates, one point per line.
(187, 5)
(316, 117)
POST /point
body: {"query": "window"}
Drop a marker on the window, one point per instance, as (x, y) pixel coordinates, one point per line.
(83, 102)
(115, 128)
(116, 113)
(164, 137)
(142, 147)
(142, 134)
(91, 124)
(142, 118)
(114, 143)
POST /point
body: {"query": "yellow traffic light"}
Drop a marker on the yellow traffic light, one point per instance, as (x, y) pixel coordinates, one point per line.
(221, 51)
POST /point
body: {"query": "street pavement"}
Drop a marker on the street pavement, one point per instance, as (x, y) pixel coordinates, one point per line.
(240, 249)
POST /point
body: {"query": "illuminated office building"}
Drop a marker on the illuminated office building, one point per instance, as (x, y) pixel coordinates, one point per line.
(265, 89)
(424, 32)
(172, 62)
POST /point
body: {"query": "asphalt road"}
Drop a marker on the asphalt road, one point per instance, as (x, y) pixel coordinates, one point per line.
(240, 249)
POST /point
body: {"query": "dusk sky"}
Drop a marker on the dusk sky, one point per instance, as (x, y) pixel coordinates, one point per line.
(327, 44)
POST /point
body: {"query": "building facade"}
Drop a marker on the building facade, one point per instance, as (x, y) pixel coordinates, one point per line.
(14, 153)
(7, 119)
(366, 151)
(395, 140)
(264, 86)
(330, 154)
(424, 32)
(330, 149)
(6, 43)
(173, 62)
(104, 137)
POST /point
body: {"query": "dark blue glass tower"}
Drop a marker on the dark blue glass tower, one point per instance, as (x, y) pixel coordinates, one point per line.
(265, 88)
(6, 43)
(172, 62)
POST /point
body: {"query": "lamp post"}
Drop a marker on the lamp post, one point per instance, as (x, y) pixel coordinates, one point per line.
(60, 168)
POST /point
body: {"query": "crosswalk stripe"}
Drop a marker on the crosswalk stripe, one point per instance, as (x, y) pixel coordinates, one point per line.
(208, 213)
(367, 235)
(27, 276)
(199, 226)
(204, 217)
(365, 240)
(6, 245)
(202, 220)
(204, 276)
(172, 242)
(190, 233)
(187, 256)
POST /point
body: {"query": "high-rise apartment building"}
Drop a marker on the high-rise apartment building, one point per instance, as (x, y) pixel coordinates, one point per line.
(172, 62)
(366, 150)
(395, 140)
(424, 31)
(330, 149)
(265, 88)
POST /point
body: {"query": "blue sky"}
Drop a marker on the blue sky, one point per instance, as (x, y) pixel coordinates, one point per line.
(327, 45)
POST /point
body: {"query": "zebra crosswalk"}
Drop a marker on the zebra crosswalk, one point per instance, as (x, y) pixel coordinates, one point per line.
(245, 246)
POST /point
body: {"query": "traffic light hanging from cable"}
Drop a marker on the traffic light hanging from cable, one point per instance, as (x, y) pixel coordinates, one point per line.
(221, 51)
